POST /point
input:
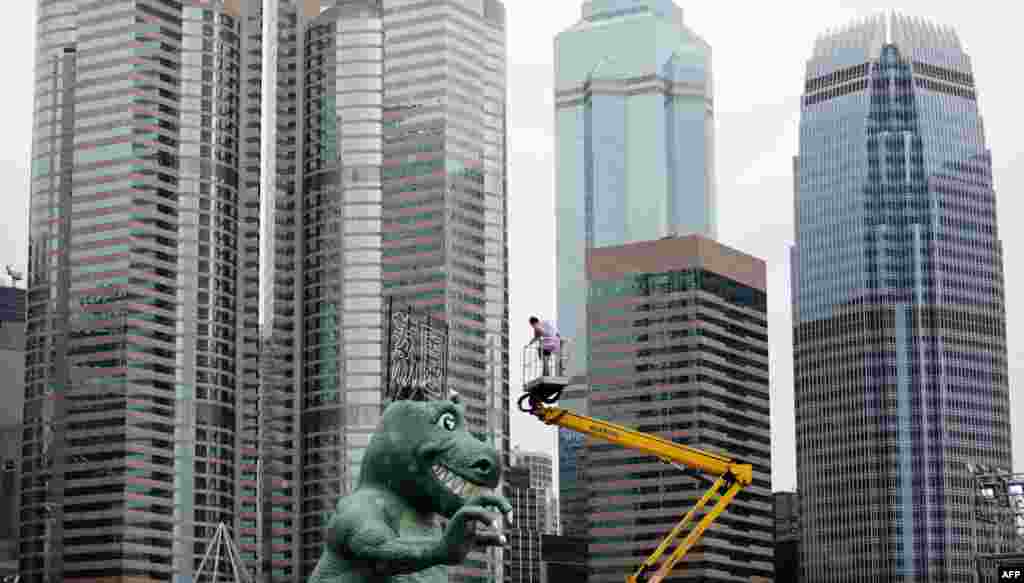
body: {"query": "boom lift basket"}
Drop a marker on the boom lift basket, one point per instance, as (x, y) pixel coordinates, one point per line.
(543, 390)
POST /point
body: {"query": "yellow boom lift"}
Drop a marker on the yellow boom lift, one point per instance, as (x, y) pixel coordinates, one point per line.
(543, 391)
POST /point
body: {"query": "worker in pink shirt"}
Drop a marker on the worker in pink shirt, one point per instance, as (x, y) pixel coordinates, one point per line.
(550, 340)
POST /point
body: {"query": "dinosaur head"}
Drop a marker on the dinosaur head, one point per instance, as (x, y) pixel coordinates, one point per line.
(423, 452)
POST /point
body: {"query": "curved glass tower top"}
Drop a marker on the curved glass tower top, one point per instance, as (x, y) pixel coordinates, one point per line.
(635, 138)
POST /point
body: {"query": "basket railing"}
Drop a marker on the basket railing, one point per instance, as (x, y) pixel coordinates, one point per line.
(535, 367)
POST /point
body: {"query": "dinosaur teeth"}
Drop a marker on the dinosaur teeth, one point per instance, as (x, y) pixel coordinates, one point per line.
(458, 484)
(455, 483)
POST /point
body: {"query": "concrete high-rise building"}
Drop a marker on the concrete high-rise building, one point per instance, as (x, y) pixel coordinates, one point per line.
(523, 558)
(634, 133)
(530, 485)
(553, 520)
(323, 351)
(390, 182)
(12, 397)
(141, 376)
(899, 318)
(679, 349)
(539, 463)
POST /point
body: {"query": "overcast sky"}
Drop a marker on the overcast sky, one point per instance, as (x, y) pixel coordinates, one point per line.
(759, 54)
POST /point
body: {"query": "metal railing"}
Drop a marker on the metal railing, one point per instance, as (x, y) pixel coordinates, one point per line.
(536, 366)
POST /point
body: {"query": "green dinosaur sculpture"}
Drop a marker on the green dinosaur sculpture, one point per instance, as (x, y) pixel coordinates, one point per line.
(421, 462)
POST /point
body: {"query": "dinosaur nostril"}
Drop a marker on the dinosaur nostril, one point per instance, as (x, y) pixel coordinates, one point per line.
(482, 465)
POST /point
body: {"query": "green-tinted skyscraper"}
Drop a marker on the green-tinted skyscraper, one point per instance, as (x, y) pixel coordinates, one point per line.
(635, 134)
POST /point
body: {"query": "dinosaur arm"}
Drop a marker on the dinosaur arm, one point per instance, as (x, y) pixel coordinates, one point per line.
(390, 554)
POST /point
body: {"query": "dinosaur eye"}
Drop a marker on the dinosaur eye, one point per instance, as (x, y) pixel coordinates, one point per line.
(447, 421)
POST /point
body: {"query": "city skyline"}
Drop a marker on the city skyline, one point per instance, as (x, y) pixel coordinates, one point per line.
(757, 97)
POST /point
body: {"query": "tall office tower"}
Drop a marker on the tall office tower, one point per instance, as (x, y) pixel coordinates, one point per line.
(523, 559)
(540, 467)
(280, 480)
(324, 352)
(679, 349)
(634, 131)
(141, 327)
(634, 158)
(12, 394)
(542, 521)
(530, 484)
(899, 328)
(390, 181)
(445, 232)
(542, 480)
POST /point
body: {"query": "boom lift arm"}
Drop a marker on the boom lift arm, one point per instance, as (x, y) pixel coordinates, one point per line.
(732, 476)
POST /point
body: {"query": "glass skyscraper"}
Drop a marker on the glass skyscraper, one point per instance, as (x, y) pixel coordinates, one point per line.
(390, 182)
(634, 138)
(634, 155)
(900, 341)
(141, 377)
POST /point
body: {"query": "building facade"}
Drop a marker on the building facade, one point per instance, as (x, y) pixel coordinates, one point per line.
(899, 317)
(523, 559)
(679, 349)
(634, 134)
(572, 491)
(389, 183)
(12, 355)
(539, 464)
(326, 318)
(564, 558)
(787, 537)
(12, 399)
(141, 329)
(530, 484)
(634, 156)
